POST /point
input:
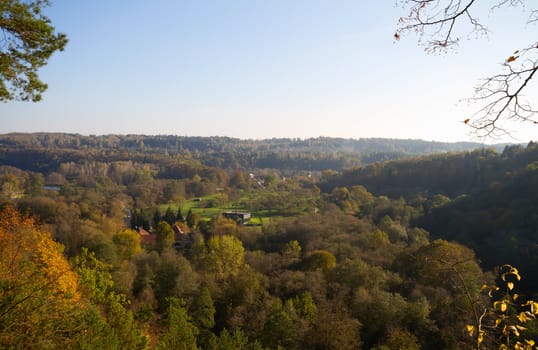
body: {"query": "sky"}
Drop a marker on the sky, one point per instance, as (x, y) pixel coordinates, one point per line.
(256, 69)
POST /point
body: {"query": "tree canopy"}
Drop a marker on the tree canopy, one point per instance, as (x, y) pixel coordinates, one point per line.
(28, 40)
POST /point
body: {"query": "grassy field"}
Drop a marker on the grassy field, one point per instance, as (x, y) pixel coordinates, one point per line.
(211, 206)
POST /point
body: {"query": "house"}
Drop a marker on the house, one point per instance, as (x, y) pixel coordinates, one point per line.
(238, 216)
(181, 238)
(147, 238)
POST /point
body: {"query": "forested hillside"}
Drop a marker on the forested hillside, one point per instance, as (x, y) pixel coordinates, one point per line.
(133, 242)
(482, 199)
(28, 150)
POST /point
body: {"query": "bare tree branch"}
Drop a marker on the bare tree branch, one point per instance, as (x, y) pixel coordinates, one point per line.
(435, 21)
(501, 96)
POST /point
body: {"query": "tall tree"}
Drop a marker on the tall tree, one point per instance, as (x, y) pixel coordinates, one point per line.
(169, 216)
(165, 235)
(179, 215)
(225, 256)
(28, 41)
(180, 332)
(38, 290)
(191, 219)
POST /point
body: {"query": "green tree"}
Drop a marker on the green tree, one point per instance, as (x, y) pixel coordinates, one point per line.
(169, 216)
(174, 278)
(28, 41)
(278, 329)
(127, 243)
(179, 215)
(165, 235)
(334, 330)
(225, 256)
(321, 259)
(448, 275)
(202, 309)
(180, 333)
(291, 252)
(288, 323)
(191, 219)
(96, 282)
(35, 184)
(398, 339)
(157, 217)
(235, 341)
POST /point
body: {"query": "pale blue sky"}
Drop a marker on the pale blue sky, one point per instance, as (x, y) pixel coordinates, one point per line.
(258, 69)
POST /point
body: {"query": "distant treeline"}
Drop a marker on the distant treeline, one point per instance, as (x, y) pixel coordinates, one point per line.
(45, 151)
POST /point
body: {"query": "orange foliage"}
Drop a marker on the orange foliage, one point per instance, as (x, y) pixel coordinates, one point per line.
(29, 254)
(38, 289)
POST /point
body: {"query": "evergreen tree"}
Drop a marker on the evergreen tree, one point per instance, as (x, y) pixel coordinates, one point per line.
(169, 216)
(202, 309)
(28, 41)
(191, 219)
(180, 333)
(179, 215)
(157, 218)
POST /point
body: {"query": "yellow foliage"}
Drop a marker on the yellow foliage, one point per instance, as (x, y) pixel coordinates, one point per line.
(56, 270)
(38, 289)
(501, 305)
(29, 255)
(470, 329)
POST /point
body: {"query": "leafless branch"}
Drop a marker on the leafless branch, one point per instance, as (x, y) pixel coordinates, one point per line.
(501, 97)
(435, 21)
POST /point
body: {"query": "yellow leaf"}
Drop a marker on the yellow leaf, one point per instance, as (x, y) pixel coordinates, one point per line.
(514, 270)
(494, 288)
(514, 330)
(525, 316)
(498, 321)
(533, 307)
(510, 285)
(470, 329)
(515, 296)
(480, 337)
(501, 305)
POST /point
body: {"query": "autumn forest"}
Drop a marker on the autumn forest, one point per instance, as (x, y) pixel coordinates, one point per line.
(167, 242)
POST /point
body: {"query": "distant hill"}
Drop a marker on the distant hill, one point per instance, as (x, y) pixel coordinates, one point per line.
(313, 154)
